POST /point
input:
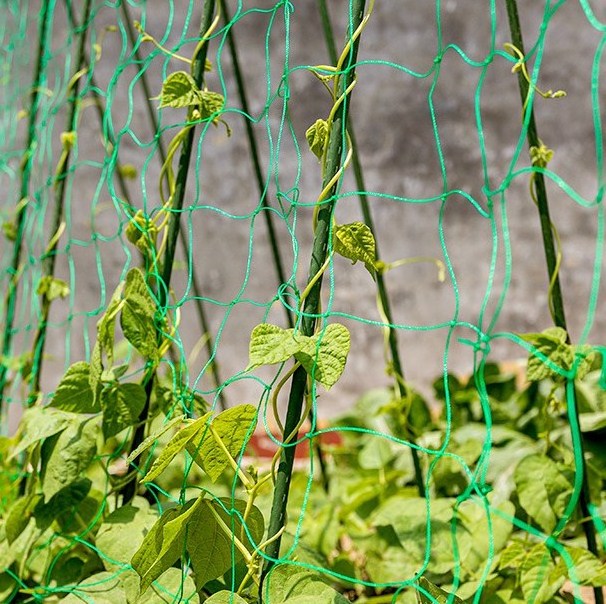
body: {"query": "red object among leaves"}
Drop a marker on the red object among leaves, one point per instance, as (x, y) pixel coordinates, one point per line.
(263, 447)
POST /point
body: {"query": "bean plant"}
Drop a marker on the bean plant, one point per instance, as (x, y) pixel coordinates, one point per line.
(125, 485)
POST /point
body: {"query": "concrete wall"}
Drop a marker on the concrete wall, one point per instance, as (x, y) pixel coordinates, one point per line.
(399, 153)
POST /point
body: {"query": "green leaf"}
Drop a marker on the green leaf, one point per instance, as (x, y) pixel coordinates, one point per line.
(355, 241)
(176, 444)
(63, 506)
(106, 328)
(152, 438)
(375, 453)
(20, 514)
(544, 490)
(171, 586)
(137, 318)
(476, 537)
(52, 288)
(123, 531)
(211, 104)
(270, 344)
(295, 585)
(588, 569)
(96, 372)
(39, 423)
(553, 344)
(122, 405)
(179, 90)
(66, 456)
(209, 542)
(101, 588)
(317, 137)
(588, 357)
(592, 422)
(437, 595)
(325, 354)
(74, 392)
(540, 579)
(408, 517)
(8, 586)
(225, 597)
(164, 544)
(233, 426)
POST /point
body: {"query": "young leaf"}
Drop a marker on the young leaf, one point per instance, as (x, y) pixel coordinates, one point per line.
(39, 423)
(210, 547)
(106, 327)
(176, 444)
(232, 426)
(553, 344)
(122, 404)
(74, 392)
(123, 531)
(288, 583)
(211, 103)
(355, 241)
(63, 506)
(152, 438)
(539, 578)
(96, 373)
(20, 514)
(543, 490)
(270, 344)
(52, 288)
(588, 569)
(8, 587)
(137, 318)
(172, 586)
(437, 595)
(66, 456)
(100, 588)
(179, 90)
(165, 542)
(325, 354)
(317, 137)
(225, 597)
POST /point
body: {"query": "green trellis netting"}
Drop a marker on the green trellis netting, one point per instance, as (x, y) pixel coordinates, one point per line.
(184, 186)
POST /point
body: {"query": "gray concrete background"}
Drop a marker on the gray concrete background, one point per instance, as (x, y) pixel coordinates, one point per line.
(398, 150)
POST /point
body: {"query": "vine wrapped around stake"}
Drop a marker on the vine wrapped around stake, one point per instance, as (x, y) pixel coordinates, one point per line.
(21, 207)
(186, 92)
(552, 259)
(332, 170)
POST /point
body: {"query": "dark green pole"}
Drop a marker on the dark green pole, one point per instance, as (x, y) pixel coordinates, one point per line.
(199, 61)
(557, 299)
(196, 287)
(368, 219)
(310, 309)
(26, 167)
(49, 259)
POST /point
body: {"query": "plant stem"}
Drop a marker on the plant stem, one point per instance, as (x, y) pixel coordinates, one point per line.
(26, 166)
(256, 162)
(196, 287)
(50, 256)
(310, 309)
(551, 261)
(255, 156)
(329, 38)
(198, 62)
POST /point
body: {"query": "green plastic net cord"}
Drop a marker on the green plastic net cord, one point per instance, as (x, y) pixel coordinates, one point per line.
(203, 400)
